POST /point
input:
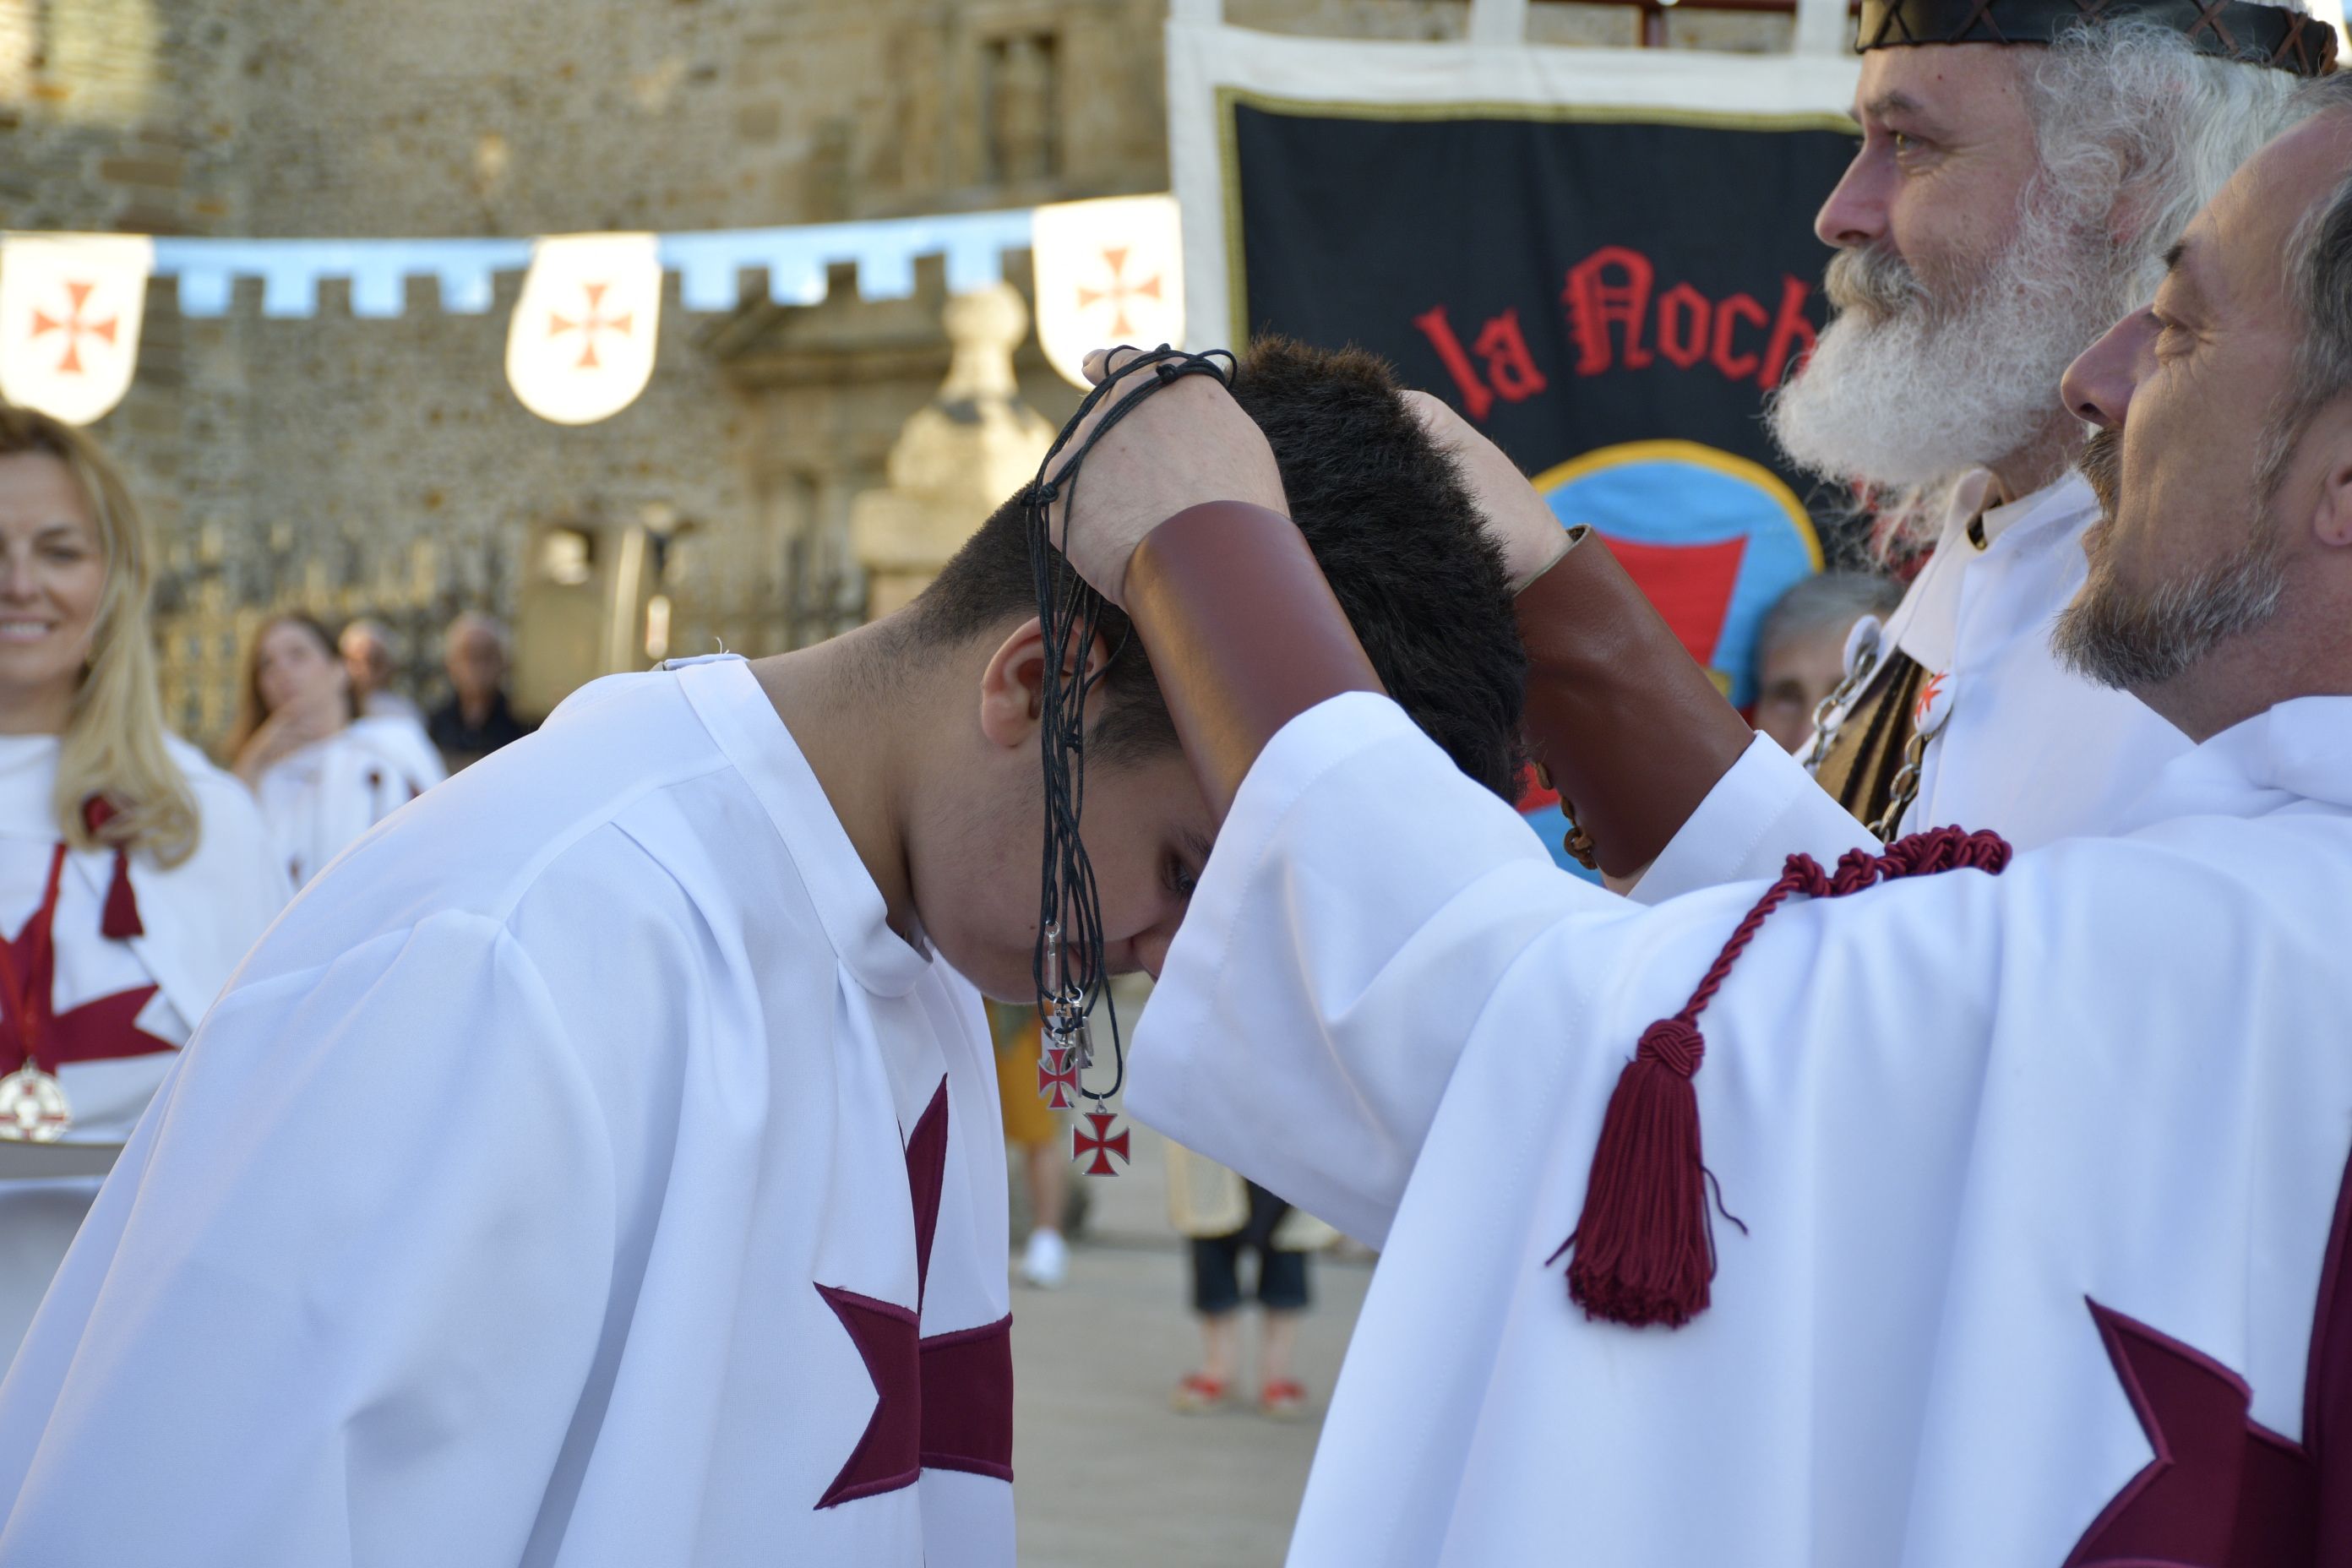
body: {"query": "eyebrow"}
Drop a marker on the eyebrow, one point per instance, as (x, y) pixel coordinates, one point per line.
(2178, 273)
(1199, 846)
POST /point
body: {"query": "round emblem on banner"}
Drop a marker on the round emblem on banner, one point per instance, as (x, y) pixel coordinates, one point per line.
(1712, 539)
(33, 1107)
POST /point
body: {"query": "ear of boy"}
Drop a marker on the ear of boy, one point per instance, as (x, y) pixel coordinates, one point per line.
(1009, 684)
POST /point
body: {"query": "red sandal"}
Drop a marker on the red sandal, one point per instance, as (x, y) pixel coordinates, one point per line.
(1197, 1393)
(1283, 1400)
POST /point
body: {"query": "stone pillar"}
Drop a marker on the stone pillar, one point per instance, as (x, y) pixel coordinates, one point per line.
(958, 459)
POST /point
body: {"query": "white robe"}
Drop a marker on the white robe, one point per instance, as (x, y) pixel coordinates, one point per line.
(319, 799)
(2030, 748)
(553, 1186)
(1974, 1124)
(198, 918)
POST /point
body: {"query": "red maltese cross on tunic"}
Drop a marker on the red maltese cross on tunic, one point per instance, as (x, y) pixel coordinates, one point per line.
(100, 1029)
(590, 324)
(1102, 1145)
(942, 1402)
(75, 327)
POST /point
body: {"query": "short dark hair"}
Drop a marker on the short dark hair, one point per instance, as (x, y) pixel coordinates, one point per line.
(1389, 520)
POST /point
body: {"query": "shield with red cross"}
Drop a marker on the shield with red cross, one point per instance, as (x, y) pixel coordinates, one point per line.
(1108, 272)
(581, 345)
(70, 306)
(1713, 539)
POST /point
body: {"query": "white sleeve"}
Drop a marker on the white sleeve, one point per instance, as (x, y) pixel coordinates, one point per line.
(1764, 810)
(338, 1300)
(1365, 908)
(1256, 1074)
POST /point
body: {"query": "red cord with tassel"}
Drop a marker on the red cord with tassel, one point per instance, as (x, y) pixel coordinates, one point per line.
(120, 920)
(1644, 1245)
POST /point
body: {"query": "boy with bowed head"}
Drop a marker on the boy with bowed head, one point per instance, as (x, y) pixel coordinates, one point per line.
(602, 1167)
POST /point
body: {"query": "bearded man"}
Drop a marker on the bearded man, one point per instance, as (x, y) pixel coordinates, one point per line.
(2044, 1257)
(2005, 204)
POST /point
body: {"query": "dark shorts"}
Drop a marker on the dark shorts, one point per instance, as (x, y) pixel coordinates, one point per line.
(1216, 1263)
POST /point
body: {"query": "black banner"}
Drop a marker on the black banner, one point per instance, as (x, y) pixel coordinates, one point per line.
(1608, 294)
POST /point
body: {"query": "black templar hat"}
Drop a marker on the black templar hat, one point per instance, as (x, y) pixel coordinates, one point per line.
(2229, 29)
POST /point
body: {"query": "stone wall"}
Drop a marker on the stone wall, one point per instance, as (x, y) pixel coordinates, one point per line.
(382, 466)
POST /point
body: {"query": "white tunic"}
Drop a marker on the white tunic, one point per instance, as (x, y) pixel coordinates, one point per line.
(2027, 747)
(198, 918)
(582, 1174)
(2013, 1152)
(319, 799)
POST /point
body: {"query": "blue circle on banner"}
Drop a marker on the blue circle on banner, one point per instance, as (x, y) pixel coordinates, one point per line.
(1714, 540)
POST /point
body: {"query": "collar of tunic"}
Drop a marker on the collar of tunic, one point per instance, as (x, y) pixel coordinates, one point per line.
(727, 698)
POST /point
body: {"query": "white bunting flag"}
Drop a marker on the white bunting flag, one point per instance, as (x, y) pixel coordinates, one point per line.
(70, 305)
(581, 346)
(1108, 272)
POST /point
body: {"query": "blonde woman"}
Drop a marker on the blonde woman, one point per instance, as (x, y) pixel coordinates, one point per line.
(323, 774)
(134, 875)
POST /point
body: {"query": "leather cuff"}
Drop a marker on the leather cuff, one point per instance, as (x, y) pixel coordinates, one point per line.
(1630, 730)
(1242, 632)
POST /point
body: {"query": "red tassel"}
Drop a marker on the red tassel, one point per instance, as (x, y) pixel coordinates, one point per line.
(120, 921)
(1644, 1245)
(1645, 1249)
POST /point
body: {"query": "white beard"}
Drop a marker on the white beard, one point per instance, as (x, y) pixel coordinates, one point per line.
(1906, 390)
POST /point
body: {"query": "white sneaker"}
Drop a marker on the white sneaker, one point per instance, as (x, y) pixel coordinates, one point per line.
(1046, 1263)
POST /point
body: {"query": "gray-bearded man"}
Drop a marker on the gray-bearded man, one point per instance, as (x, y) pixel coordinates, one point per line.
(2005, 205)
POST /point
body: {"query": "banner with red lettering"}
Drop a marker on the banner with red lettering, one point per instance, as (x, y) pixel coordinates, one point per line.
(1604, 259)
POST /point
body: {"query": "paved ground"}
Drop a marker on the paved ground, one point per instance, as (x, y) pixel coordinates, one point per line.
(1106, 1473)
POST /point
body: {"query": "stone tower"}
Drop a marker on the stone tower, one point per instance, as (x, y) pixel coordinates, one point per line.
(960, 455)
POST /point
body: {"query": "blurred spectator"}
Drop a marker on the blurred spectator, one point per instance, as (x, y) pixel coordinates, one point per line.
(133, 874)
(322, 777)
(1226, 1216)
(1032, 1128)
(476, 720)
(1801, 649)
(390, 719)
(373, 665)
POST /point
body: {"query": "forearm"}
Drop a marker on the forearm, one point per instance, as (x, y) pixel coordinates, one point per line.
(1627, 726)
(1244, 634)
(1364, 899)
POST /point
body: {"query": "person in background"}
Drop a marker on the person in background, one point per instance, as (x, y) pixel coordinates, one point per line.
(322, 777)
(133, 874)
(1034, 1128)
(1224, 1216)
(1800, 649)
(367, 653)
(477, 720)
(388, 718)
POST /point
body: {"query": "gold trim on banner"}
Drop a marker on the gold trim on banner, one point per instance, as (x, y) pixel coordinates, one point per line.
(1699, 454)
(1229, 162)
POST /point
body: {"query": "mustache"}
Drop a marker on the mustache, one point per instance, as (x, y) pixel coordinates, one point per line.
(2103, 464)
(1871, 281)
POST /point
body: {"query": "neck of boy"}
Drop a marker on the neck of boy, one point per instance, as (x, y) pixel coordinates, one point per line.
(831, 697)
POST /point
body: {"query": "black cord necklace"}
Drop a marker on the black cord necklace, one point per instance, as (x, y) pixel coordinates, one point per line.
(1069, 962)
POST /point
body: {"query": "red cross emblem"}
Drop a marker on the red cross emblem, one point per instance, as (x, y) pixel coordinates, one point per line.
(1102, 1145)
(1056, 1079)
(1120, 291)
(941, 1402)
(75, 327)
(590, 324)
(1928, 695)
